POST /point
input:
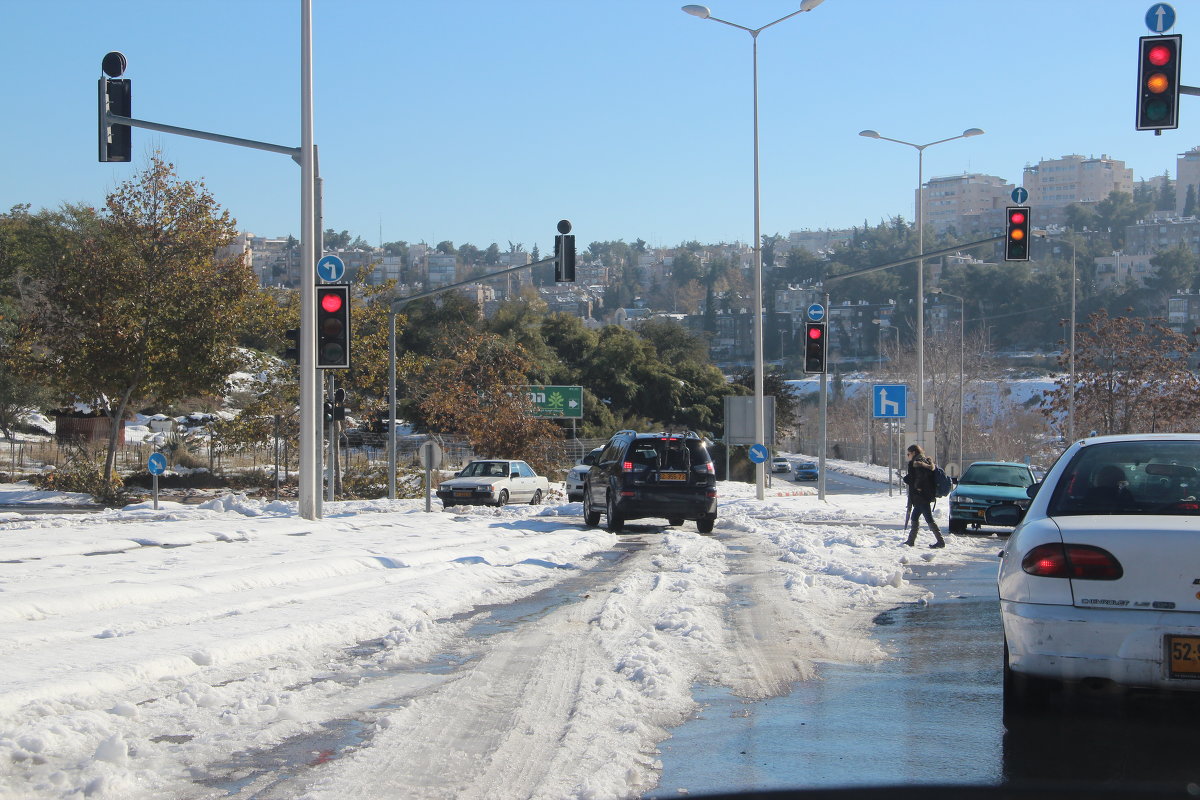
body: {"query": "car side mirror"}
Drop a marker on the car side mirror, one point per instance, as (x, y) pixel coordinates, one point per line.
(1008, 515)
(515, 475)
(458, 474)
(1032, 489)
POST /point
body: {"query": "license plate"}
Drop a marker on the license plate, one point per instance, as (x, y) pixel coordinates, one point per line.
(462, 494)
(1183, 656)
(672, 476)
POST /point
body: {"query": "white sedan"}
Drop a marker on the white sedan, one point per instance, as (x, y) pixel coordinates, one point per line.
(493, 482)
(1100, 582)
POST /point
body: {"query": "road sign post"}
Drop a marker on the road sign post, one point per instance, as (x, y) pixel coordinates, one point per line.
(156, 465)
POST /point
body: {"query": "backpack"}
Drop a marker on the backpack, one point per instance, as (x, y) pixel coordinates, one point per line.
(941, 482)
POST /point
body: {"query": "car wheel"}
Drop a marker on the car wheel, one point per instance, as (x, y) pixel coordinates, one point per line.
(705, 525)
(958, 526)
(591, 518)
(675, 522)
(502, 498)
(537, 498)
(615, 522)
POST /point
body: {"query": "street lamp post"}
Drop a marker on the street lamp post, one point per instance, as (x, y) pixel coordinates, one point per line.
(759, 414)
(920, 148)
(962, 327)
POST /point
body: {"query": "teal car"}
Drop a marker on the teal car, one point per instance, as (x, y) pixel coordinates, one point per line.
(984, 484)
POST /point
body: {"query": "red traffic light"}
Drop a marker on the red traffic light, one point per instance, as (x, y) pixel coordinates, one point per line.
(1016, 245)
(816, 333)
(331, 302)
(1158, 55)
(1017, 217)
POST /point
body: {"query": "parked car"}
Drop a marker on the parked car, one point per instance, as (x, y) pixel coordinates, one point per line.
(984, 484)
(805, 471)
(577, 473)
(1098, 583)
(640, 475)
(493, 482)
(780, 464)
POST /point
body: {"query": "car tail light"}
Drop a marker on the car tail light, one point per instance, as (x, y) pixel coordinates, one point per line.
(711, 493)
(627, 466)
(1079, 561)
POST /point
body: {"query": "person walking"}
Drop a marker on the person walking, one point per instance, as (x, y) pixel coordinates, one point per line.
(920, 494)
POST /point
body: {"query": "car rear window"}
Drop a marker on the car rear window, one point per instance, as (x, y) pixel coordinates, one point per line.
(668, 453)
(997, 475)
(1154, 477)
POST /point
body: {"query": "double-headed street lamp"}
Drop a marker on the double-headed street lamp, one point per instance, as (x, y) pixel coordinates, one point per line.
(759, 414)
(962, 327)
(920, 148)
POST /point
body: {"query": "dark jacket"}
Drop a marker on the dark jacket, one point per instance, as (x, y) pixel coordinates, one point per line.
(920, 479)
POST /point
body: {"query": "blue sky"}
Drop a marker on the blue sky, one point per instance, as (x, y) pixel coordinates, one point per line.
(487, 122)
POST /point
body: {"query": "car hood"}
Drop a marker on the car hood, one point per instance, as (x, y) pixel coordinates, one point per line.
(990, 492)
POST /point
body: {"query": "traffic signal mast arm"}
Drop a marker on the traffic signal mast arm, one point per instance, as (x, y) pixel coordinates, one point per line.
(116, 119)
(401, 302)
(946, 251)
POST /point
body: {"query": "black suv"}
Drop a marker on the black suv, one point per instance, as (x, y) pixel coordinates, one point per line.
(639, 475)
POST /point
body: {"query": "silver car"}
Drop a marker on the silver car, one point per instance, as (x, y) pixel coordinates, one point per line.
(1100, 582)
(577, 474)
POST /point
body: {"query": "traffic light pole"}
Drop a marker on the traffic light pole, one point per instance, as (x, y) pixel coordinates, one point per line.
(305, 156)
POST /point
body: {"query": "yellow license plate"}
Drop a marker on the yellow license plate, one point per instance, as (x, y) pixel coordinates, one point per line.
(672, 476)
(1183, 656)
(462, 494)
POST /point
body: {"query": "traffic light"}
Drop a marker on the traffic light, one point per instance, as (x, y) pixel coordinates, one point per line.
(1016, 243)
(814, 347)
(339, 404)
(564, 257)
(293, 352)
(116, 141)
(333, 326)
(1158, 82)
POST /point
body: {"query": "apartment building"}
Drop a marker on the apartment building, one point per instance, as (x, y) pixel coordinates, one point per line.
(1187, 176)
(962, 201)
(1075, 179)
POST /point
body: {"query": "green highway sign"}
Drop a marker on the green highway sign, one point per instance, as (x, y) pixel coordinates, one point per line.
(556, 402)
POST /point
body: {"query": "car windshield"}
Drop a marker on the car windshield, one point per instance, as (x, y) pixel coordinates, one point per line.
(806, 465)
(485, 469)
(1148, 477)
(997, 475)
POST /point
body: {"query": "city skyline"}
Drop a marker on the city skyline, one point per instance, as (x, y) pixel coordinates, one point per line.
(480, 123)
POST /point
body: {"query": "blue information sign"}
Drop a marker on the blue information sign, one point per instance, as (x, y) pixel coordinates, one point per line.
(331, 269)
(1160, 18)
(156, 464)
(889, 400)
(759, 453)
(816, 312)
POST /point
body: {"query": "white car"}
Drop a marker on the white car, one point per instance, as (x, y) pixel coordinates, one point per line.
(577, 474)
(780, 464)
(1100, 582)
(493, 482)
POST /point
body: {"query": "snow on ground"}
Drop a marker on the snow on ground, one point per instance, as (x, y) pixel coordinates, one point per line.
(145, 648)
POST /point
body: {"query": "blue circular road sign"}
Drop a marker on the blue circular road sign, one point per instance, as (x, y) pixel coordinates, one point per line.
(156, 464)
(1160, 18)
(816, 312)
(331, 269)
(759, 453)
(1020, 195)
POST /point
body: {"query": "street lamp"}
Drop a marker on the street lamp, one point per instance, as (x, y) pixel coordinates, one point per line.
(920, 148)
(962, 327)
(759, 414)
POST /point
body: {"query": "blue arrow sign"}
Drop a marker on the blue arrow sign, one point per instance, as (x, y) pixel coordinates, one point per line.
(1020, 195)
(1160, 18)
(156, 464)
(331, 269)
(890, 400)
(759, 453)
(816, 312)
